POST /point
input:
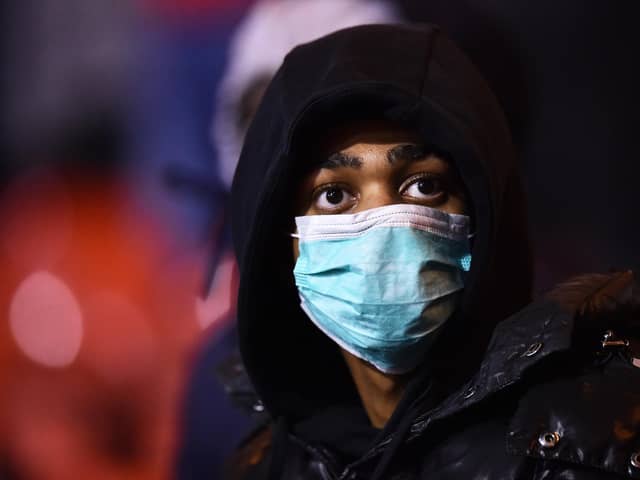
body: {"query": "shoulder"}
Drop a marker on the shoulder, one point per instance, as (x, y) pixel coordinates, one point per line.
(586, 416)
(599, 301)
(560, 396)
(571, 319)
(580, 407)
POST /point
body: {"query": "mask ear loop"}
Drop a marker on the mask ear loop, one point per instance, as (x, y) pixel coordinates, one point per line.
(466, 273)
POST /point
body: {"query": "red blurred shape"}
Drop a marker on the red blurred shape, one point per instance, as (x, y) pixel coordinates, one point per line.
(91, 285)
(37, 214)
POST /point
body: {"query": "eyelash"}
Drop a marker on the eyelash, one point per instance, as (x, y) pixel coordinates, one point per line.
(328, 186)
(419, 176)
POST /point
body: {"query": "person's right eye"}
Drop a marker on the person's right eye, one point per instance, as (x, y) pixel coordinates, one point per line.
(333, 199)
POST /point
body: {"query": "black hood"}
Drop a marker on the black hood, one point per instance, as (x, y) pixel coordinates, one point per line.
(416, 77)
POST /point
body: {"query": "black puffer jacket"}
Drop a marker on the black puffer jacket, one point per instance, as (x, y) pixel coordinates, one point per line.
(543, 401)
(556, 397)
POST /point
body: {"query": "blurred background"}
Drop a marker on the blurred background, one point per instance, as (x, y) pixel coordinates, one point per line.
(122, 122)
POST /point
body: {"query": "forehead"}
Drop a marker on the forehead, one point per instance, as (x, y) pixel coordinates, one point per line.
(345, 135)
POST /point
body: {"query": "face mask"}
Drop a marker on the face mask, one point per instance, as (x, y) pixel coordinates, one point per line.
(381, 282)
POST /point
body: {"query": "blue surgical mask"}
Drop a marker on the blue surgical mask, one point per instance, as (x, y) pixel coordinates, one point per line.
(382, 282)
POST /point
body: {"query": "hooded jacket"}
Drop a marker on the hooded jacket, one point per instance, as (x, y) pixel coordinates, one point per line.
(415, 77)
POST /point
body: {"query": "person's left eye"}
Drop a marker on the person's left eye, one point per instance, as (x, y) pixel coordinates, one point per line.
(422, 187)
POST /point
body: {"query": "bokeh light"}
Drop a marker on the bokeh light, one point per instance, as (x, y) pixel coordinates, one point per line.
(45, 320)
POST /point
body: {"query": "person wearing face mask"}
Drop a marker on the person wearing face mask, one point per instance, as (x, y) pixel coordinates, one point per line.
(384, 311)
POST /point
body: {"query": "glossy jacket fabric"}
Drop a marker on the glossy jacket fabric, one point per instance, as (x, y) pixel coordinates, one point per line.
(550, 401)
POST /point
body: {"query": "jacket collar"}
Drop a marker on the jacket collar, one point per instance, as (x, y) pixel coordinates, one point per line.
(518, 343)
(523, 340)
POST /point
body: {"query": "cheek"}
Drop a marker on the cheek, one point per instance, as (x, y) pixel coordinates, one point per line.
(455, 204)
(296, 251)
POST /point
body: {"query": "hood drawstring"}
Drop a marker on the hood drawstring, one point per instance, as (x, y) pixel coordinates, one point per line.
(278, 450)
(393, 447)
(398, 437)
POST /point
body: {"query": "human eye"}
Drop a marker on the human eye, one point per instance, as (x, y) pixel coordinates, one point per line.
(424, 186)
(332, 198)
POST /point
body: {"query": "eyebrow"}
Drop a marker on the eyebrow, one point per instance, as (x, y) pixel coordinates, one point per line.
(408, 152)
(339, 159)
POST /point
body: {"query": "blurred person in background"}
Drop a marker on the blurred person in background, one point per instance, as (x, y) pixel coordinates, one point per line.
(391, 336)
(269, 31)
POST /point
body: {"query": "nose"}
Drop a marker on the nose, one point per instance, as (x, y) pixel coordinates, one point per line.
(378, 194)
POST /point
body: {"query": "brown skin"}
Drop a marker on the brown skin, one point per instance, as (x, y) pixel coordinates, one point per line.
(362, 178)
